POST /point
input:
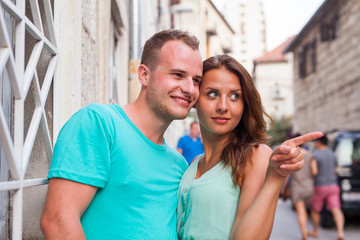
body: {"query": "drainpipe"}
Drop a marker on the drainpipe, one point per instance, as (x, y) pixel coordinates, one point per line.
(134, 61)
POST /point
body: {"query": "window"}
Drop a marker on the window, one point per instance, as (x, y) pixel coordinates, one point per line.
(307, 59)
(329, 30)
(28, 62)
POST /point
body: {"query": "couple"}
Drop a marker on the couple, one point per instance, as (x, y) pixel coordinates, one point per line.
(113, 177)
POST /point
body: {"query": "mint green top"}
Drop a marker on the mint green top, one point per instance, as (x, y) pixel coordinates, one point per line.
(207, 205)
(137, 180)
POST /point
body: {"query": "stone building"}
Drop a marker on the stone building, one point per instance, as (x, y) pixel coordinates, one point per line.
(327, 69)
(273, 75)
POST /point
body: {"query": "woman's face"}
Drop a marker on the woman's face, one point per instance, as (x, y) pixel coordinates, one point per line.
(220, 105)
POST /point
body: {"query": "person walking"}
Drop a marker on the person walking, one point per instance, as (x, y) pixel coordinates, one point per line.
(326, 188)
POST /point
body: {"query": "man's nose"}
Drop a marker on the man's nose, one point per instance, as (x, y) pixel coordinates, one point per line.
(188, 86)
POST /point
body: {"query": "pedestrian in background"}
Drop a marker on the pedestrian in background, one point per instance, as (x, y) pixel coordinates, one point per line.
(326, 188)
(191, 145)
(301, 189)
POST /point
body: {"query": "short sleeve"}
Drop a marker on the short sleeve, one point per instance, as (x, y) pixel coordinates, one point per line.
(82, 151)
(180, 143)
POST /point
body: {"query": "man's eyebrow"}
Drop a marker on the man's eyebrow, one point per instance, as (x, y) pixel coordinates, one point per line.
(184, 72)
(177, 70)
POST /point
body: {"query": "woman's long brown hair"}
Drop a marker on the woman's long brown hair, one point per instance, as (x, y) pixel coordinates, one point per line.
(251, 130)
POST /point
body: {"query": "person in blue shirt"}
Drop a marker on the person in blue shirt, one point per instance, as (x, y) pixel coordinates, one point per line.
(112, 175)
(191, 145)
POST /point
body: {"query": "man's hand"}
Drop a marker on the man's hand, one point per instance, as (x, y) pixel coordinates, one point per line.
(287, 158)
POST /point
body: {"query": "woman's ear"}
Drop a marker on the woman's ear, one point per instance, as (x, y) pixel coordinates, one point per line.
(143, 74)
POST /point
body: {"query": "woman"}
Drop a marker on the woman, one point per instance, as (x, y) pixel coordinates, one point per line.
(223, 191)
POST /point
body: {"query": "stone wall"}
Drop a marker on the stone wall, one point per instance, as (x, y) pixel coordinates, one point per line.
(328, 99)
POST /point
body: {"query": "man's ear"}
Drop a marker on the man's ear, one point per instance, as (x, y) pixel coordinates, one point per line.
(143, 74)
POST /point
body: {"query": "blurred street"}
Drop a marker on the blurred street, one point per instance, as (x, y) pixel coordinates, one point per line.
(286, 226)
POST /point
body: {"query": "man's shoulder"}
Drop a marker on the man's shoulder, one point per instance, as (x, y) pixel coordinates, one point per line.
(185, 137)
(100, 108)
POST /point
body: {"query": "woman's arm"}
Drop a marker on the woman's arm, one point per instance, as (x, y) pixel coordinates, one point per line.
(255, 220)
(249, 216)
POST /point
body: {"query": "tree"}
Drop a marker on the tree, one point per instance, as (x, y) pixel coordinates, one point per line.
(280, 131)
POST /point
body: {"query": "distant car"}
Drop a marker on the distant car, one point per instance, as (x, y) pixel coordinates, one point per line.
(346, 145)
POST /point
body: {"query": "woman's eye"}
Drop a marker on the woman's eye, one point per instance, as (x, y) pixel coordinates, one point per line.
(212, 94)
(234, 96)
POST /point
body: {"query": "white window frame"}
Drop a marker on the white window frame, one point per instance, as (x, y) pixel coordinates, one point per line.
(17, 151)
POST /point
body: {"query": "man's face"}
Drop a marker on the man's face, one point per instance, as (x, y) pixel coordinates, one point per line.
(195, 129)
(173, 87)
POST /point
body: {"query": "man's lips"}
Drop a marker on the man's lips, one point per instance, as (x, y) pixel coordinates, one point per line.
(220, 119)
(182, 100)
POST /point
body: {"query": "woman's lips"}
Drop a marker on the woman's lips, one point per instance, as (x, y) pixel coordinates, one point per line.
(221, 120)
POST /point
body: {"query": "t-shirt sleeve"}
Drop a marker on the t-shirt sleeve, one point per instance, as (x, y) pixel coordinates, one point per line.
(82, 151)
(180, 143)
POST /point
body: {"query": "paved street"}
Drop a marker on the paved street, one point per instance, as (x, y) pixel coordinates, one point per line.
(286, 227)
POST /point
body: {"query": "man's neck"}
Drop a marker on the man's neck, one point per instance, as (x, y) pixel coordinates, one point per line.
(193, 136)
(322, 147)
(146, 121)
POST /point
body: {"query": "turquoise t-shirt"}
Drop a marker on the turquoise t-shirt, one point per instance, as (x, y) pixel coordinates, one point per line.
(137, 179)
(207, 205)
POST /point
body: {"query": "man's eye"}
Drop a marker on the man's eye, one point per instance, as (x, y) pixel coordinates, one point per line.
(197, 81)
(178, 75)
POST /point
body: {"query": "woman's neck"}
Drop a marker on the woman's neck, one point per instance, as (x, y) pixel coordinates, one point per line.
(213, 147)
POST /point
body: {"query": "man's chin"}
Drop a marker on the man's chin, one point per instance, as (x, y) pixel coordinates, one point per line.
(180, 115)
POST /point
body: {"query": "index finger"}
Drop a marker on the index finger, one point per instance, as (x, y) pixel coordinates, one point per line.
(303, 139)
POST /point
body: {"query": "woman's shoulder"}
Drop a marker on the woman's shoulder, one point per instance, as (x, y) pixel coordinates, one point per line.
(260, 150)
(260, 155)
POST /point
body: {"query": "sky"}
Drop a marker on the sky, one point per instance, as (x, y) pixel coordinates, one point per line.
(284, 18)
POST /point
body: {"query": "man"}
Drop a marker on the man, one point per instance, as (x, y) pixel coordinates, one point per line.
(191, 145)
(112, 175)
(326, 188)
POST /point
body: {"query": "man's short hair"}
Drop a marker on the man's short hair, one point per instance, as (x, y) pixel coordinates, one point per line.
(156, 42)
(323, 140)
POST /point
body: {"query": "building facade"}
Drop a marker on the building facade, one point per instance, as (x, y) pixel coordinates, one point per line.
(248, 21)
(273, 75)
(327, 69)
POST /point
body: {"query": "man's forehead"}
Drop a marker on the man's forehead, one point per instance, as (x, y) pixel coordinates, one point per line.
(177, 56)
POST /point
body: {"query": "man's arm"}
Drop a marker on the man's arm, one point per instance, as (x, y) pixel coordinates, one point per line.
(314, 168)
(66, 202)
